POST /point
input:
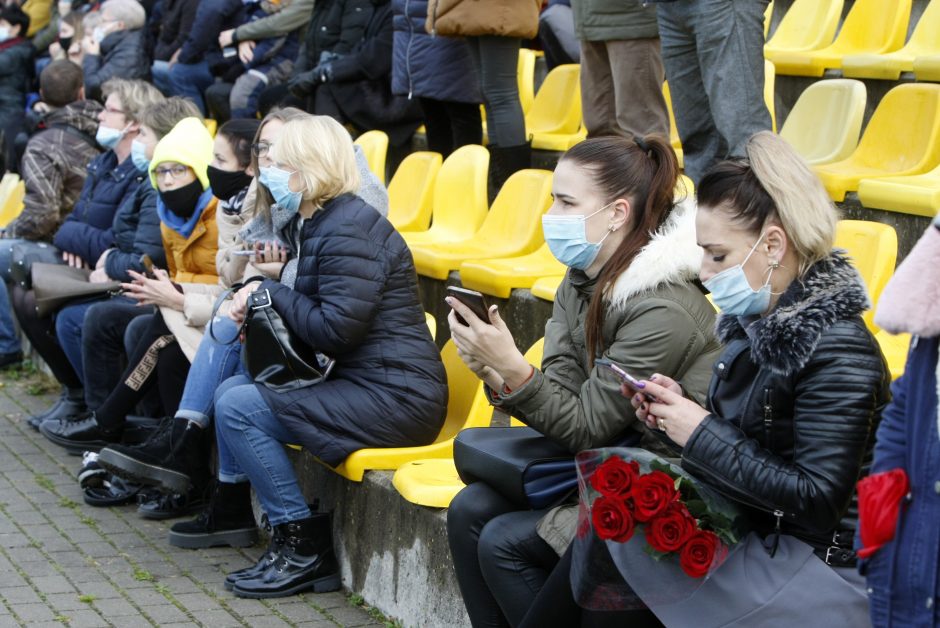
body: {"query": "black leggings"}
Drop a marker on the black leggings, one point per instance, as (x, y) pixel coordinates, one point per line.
(156, 360)
(41, 334)
(450, 125)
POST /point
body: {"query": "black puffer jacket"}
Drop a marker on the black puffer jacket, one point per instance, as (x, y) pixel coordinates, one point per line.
(177, 22)
(336, 26)
(16, 74)
(795, 402)
(356, 300)
(123, 55)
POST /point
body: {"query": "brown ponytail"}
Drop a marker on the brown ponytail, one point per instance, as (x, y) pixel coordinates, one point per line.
(644, 172)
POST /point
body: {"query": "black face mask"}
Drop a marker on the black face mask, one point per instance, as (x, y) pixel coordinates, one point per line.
(227, 184)
(66, 43)
(182, 201)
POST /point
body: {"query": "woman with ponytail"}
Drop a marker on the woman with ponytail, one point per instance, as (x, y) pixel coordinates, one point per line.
(630, 296)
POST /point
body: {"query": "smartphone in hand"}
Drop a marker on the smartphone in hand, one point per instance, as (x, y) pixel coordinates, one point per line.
(147, 263)
(625, 377)
(473, 300)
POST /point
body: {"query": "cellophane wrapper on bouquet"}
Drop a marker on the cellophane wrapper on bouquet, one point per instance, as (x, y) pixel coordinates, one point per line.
(649, 534)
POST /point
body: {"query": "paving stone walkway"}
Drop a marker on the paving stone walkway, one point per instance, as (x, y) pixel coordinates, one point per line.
(63, 562)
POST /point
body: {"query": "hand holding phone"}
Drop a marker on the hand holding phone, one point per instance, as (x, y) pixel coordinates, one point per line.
(625, 377)
(473, 300)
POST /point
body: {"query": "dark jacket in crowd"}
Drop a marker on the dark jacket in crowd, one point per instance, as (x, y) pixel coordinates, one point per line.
(795, 401)
(16, 75)
(212, 17)
(175, 26)
(87, 230)
(136, 232)
(430, 67)
(356, 300)
(123, 55)
(611, 20)
(336, 26)
(54, 168)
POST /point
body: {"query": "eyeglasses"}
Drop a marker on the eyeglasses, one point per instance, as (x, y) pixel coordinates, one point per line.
(261, 149)
(113, 110)
(175, 172)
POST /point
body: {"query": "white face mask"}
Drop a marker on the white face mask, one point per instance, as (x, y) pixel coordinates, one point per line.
(99, 34)
(4, 33)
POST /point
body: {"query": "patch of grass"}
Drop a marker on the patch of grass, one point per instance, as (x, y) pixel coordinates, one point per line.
(142, 575)
(354, 599)
(66, 502)
(62, 619)
(39, 388)
(44, 482)
(87, 599)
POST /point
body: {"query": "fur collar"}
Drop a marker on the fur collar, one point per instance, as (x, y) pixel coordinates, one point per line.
(672, 256)
(832, 290)
(911, 301)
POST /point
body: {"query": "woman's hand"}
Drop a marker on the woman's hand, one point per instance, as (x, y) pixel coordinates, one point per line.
(485, 346)
(246, 51)
(664, 408)
(90, 46)
(240, 302)
(225, 38)
(270, 252)
(73, 260)
(159, 291)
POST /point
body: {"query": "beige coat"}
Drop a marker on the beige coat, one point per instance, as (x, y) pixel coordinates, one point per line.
(469, 18)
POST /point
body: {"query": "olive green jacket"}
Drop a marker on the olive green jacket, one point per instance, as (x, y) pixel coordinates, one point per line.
(657, 321)
(613, 20)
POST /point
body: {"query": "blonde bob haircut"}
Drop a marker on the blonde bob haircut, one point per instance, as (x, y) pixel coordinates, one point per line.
(774, 184)
(321, 151)
(135, 96)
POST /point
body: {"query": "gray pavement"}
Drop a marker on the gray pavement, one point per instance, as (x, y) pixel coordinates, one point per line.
(63, 562)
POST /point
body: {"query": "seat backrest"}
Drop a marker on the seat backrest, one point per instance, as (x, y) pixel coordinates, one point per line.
(526, 78)
(411, 191)
(873, 247)
(807, 25)
(375, 146)
(13, 203)
(904, 131)
(460, 201)
(432, 324)
(466, 402)
(826, 120)
(515, 216)
(874, 25)
(768, 14)
(557, 105)
(770, 77)
(926, 36)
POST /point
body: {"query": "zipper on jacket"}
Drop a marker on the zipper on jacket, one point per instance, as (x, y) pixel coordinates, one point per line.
(411, 38)
(778, 515)
(768, 417)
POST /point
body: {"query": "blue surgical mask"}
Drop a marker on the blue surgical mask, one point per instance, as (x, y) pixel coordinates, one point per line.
(276, 180)
(108, 137)
(566, 237)
(139, 155)
(733, 294)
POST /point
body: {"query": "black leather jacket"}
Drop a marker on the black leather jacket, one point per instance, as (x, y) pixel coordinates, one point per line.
(795, 400)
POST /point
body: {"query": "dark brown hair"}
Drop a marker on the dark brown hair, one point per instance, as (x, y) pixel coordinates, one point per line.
(734, 186)
(60, 83)
(239, 133)
(644, 172)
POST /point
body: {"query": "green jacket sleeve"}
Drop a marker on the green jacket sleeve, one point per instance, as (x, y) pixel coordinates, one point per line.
(584, 410)
(293, 16)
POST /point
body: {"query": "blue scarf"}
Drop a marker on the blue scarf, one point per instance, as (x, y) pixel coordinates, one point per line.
(182, 226)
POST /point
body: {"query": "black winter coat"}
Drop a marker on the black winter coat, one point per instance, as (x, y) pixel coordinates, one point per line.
(795, 401)
(136, 232)
(177, 22)
(336, 26)
(16, 75)
(123, 55)
(212, 17)
(356, 300)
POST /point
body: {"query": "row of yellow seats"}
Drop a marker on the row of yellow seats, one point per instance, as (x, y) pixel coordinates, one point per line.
(870, 43)
(12, 192)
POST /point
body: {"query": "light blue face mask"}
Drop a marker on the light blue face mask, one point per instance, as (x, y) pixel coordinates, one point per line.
(139, 155)
(276, 180)
(108, 137)
(566, 237)
(732, 292)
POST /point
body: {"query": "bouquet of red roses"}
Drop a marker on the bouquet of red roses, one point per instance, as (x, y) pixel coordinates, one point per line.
(664, 530)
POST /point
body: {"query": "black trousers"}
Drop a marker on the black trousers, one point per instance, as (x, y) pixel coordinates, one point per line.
(500, 560)
(41, 334)
(450, 125)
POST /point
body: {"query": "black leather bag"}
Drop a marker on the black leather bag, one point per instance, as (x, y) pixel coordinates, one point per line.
(521, 464)
(22, 257)
(55, 285)
(272, 353)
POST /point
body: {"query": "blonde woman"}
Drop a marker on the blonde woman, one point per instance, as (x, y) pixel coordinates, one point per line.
(355, 298)
(789, 422)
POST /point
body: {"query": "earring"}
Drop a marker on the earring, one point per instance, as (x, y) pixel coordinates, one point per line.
(774, 264)
(611, 227)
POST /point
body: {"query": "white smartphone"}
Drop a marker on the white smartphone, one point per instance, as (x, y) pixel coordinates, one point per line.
(243, 252)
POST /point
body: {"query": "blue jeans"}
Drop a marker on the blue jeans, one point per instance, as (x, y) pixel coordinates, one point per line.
(160, 71)
(190, 80)
(68, 330)
(251, 447)
(214, 363)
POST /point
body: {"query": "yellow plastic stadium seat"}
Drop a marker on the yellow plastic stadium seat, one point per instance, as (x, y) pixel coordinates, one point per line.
(211, 125)
(825, 122)
(435, 482)
(13, 204)
(873, 247)
(807, 25)
(770, 76)
(895, 349)
(411, 191)
(375, 146)
(925, 40)
(902, 138)
(512, 227)
(871, 27)
(917, 194)
(432, 324)
(499, 276)
(460, 202)
(927, 68)
(673, 130)
(466, 407)
(526, 78)
(7, 183)
(546, 287)
(556, 110)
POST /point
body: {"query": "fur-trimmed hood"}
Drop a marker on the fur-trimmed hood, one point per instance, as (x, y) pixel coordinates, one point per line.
(784, 340)
(672, 256)
(910, 302)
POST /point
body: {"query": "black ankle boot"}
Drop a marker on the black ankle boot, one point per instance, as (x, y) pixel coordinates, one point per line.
(306, 562)
(228, 520)
(175, 461)
(71, 403)
(504, 161)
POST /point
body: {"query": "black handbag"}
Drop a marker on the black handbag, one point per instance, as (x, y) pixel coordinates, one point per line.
(273, 354)
(55, 285)
(24, 255)
(521, 464)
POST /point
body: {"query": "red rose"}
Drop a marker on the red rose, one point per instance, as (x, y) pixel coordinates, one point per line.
(652, 492)
(699, 552)
(615, 476)
(612, 519)
(879, 502)
(670, 529)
